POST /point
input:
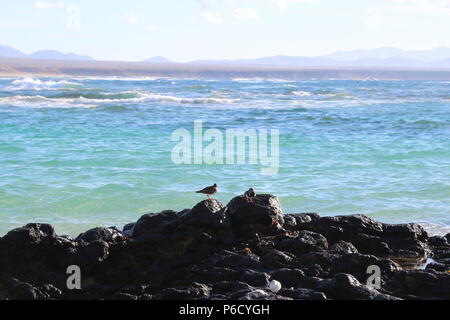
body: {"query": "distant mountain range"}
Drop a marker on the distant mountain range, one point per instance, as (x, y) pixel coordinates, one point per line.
(158, 59)
(8, 52)
(326, 62)
(380, 57)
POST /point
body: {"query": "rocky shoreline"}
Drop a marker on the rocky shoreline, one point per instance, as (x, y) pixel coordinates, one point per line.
(221, 252)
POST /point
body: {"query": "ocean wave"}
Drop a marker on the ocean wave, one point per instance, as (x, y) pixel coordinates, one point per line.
(151, 97)
(84, 100)
(187, 100)
(301, 93)
(422, 123)
(117, 78)
(259, 80)
(97, 95)
(142, 79)
(328, 103)
(38, 85)
(435, 228)
(324, 95)
(41, 102)
(336, 95)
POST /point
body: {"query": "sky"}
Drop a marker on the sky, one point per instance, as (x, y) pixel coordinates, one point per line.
(187, 30)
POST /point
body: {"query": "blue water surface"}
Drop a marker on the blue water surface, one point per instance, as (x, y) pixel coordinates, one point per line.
(85, 152)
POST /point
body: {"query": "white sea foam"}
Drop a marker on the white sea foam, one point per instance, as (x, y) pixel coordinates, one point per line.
(151, 97)
(247, 80)
(301, 93)
(325, 104)
(258, 80)
(435, 228)
(116, 78)
(198, 100)
(37, 84)
(39, 101)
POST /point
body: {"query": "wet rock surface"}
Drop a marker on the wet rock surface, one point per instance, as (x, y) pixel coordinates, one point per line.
(218, 252)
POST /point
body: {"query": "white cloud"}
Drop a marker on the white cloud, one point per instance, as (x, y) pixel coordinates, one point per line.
(282, 4)
(48, 5)
(208, 3)
(209, 17)
(151, 28)
(430, 7)
(73, 18)
(131, 18)
(374, 19)
(380, 16)
(430, 3)
(247, 14)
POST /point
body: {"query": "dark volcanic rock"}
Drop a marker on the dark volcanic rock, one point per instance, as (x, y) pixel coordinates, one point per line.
(194, 291)
(237, 261)
(107, 235)
(372, 237)
(410, 231)
(152, 224)
(31, 234)
(255, 278)
(210, 274)
(214, 252)
(128, 230)
(259, 294)
(305, 242)
(346, 287)
(257, 216)
(438, 266)
(273, 258)
(416, 284)
(97, 250)
(358, 264)
(303, 294)
(231, 287)
(19, 290)
(209, 213)
(209, 216)
(343, 247)
(290, 222)
(289, 278)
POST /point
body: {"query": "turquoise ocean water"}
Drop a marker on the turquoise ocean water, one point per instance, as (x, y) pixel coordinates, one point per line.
(85, 152)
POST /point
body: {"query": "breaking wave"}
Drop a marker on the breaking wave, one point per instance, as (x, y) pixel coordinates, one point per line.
(76, 100)
(38, 85)
(301, 93)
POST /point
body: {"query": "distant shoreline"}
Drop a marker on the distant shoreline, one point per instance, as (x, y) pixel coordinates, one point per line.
(58, 68)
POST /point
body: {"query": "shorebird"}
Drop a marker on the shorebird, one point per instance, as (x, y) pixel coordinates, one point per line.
(249, 195)
(209, 191)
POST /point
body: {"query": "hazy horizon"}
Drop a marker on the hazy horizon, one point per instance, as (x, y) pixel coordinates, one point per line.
(185, 31)
(342, 55)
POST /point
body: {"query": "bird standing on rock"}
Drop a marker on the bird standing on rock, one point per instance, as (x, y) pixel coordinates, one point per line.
(209, 191)
(249, 195)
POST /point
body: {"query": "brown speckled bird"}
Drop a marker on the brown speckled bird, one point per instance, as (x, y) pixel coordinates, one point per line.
(209, 191)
